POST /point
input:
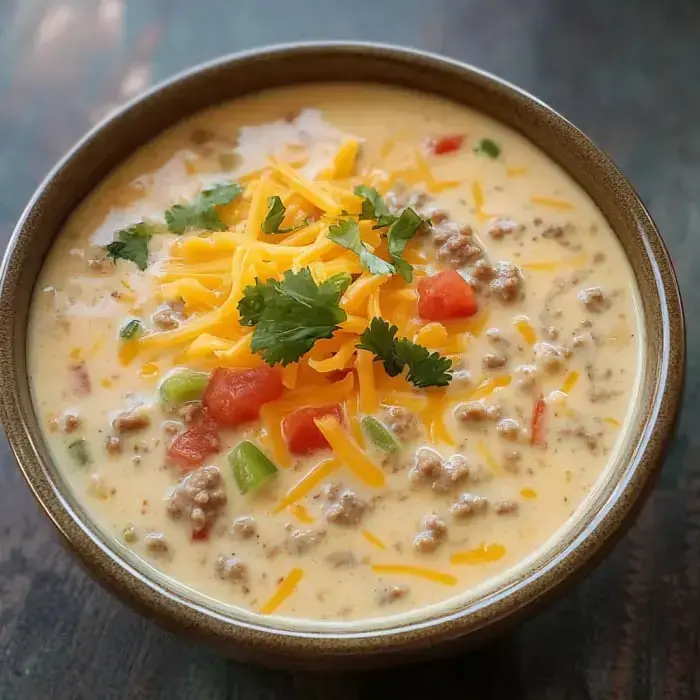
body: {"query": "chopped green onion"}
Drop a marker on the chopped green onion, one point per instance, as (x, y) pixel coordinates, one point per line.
(131, 330)
(79, 452)
(182, 386)
(251, 468)
(488, 147)
(129, 534)
(380, 436)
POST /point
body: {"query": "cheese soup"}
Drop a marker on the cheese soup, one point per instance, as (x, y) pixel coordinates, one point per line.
(335, 352)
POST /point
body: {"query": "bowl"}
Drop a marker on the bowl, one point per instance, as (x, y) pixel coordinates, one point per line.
(588, 534)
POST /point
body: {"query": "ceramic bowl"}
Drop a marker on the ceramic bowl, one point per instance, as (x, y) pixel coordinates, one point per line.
(588, 533)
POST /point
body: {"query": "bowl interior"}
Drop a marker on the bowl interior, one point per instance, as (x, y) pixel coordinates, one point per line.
(595, 522)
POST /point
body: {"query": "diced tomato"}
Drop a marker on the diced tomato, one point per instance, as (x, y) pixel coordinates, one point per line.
(444, 296)
(538, 433)
(446, 144)
(191, 447)
(200, 535)
(234, 396)
(300, 431)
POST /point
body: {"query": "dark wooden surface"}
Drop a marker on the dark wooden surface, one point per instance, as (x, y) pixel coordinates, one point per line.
(627, 72)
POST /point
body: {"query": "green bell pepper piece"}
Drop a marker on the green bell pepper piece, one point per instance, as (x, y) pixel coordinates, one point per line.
(380, 436)
(251, 467)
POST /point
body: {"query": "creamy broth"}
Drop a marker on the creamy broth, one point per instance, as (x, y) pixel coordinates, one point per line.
(488, 470)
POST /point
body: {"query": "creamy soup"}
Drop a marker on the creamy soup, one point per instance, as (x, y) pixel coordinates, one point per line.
(335, 352)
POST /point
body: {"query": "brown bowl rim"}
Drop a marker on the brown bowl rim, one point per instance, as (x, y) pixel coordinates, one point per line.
(476, 620)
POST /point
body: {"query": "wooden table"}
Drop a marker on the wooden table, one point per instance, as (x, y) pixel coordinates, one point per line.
(627, 72)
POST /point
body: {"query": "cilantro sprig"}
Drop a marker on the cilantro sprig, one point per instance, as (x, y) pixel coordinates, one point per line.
(400, 230)
(201, 212)
(347, 233)
(373, 206)
(131, 244)
(425, 369)
(400, 233)
(290, 315)
(274, 217)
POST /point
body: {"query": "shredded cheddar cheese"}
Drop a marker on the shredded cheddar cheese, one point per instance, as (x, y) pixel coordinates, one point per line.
(432, 335)
(553, 265)
(485, 554)
(490, 460)
(290, 375)
(488, 386)
(301, 513)
(347, 451)
(352, 409)
(570, 381)
(419, 571)
(284, 590)
(433, 417)
(365, 376)
(357, 294)
(479, 201)
(313, 478)
(552, 203)
(373, 539)
(306, 188)
(524, 327)
(339, 360)
(344, 161)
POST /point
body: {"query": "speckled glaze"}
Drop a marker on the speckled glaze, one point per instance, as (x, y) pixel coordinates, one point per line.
(591, 532)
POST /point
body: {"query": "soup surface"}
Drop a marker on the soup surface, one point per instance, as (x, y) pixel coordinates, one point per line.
(334, 352)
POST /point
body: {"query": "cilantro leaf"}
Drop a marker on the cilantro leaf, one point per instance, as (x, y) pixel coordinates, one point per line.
(337, 284)
(347, 234)
(402, 230)
(488, 147)
(201, 212)
(131, 244)
(384, 221)
(404, 268)
(373, 206)
(287, 341)
(291, 315)
(400, 233)
(255, 299)
(379, 338)
(275, 214)
(424, 368)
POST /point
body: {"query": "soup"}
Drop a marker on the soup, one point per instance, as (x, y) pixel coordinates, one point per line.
(315, 361)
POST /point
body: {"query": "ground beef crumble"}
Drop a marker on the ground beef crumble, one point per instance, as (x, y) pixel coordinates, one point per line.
(198, 497)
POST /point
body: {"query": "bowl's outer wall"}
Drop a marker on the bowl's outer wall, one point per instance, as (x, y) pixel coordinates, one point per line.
(108, 145)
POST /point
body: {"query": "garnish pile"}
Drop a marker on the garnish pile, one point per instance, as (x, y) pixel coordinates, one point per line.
(293, 271)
